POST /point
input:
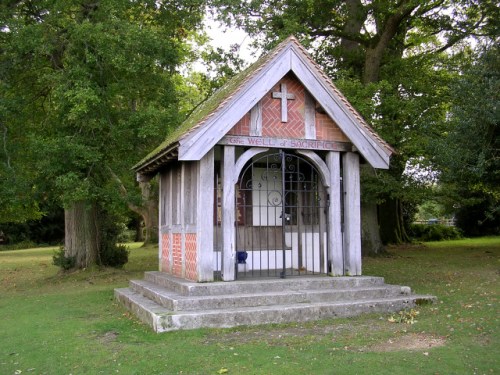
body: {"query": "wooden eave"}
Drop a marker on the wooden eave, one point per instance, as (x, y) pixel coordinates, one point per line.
(150, 168)
(201, 132)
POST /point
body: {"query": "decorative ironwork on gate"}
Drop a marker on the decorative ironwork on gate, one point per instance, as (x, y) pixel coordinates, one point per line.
(281, 227)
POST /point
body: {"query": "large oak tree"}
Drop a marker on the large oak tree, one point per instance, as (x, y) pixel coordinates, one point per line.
(394, 60)
(89, 87)
(468, 158)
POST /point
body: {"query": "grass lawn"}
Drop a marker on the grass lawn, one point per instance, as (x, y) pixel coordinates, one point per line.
(53, 323)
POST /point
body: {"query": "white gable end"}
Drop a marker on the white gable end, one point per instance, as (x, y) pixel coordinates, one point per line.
(291, 59)
(201, 141)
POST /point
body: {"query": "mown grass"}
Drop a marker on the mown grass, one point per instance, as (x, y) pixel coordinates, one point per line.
(53, 323)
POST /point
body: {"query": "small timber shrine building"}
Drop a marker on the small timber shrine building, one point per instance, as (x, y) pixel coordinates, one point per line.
(262, 180)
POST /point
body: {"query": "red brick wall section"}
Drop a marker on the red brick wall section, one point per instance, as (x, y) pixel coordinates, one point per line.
(177, 254)
(165, 253)
(242, 127)
(191, 257)
(327, 129)
(271, 112)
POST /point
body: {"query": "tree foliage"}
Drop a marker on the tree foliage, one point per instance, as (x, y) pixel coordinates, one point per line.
(469, 156)
(392, 60)
(89, 85)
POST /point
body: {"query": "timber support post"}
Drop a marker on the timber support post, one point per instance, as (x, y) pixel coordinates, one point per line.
(205, 233)
(352, 214)
(228, 215)
(335, 245)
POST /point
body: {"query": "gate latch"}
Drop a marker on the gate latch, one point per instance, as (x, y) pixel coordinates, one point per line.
(288, 217)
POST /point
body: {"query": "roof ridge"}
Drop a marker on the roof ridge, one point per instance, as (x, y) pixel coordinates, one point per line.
(214, 103)
(342, 97)
(219, 102)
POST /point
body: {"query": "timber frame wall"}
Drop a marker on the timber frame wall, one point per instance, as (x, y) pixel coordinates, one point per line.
(186, 244)
(311, 117)
(186, 219)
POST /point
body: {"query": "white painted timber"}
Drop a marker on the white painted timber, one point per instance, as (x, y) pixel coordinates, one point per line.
(169, 196)
(256, 120)
(182, 196)
(284, 96)
(338, 112)
(161, 220)
(310, 116)
(319, 164)
(228, 216)
(290, 143)
(243, 159)
(205, 222)
(200, 140)
(352, 214)
(335, 243)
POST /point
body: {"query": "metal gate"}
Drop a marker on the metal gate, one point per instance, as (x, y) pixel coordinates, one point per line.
(281, 227)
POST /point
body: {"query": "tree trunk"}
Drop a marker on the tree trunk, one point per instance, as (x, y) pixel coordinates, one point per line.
(392, 228)
(149, 214)
(139, 233)
(148, 211)
(371, 242)
(352, 53)
(371, 239)
(81, 233)
(386, 31)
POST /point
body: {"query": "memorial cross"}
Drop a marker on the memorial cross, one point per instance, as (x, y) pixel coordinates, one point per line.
(284, 96)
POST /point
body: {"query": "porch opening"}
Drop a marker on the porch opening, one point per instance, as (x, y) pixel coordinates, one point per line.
(281, 218)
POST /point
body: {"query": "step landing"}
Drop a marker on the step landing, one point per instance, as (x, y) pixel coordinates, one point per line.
(167, 303)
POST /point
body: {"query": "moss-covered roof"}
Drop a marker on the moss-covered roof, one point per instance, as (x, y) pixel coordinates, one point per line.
(216, 104)
(208, 107)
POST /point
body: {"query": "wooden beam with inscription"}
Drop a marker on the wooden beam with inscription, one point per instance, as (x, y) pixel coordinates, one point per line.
(304, 144)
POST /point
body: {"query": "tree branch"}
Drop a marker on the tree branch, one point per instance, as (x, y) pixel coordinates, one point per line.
(5, 145)
(123, 192)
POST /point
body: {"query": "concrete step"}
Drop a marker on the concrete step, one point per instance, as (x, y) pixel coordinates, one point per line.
(163, 319)
(177, 302)
(187, 288)
(146, 310)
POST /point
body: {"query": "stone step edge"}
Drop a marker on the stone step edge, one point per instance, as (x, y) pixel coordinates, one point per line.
(184, 287)
(161, 319)
(173, 300)
(144, 309)
(285, 313)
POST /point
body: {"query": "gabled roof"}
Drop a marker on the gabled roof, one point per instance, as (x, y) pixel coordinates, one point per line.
(216, 116)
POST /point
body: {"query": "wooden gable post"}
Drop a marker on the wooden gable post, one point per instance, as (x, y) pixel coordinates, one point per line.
(205, 222)
(335, 245)
(228, 215)
(352, 214)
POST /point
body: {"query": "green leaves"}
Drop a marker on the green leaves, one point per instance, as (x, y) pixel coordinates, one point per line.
(469, 156)
(87, 86)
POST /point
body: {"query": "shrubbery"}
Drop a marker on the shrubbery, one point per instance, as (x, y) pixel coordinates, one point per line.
(434, 232)
(114, 256)
(110, 256)
(61, 260)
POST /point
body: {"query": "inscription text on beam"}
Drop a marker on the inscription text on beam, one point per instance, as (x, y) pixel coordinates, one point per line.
(284, 96)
